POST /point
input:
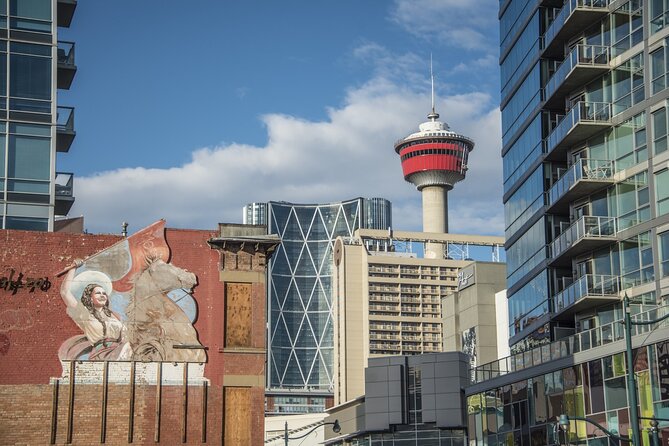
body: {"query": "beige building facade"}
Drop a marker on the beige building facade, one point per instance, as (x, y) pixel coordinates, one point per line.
(389, 302)
(471, 314)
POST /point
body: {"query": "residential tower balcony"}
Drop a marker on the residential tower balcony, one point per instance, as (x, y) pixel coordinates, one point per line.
(64, 128)
(587, 292)
(583, 120)
(573, 18)
(65, 12)
(586, 234)
(583, 178)
(66, 66)
(64, 192)
(583, 64)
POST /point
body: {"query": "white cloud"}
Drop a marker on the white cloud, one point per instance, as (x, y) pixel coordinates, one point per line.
(347, 155)
(469, 24)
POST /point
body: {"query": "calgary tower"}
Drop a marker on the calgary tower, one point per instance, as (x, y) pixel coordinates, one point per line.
(434, 159)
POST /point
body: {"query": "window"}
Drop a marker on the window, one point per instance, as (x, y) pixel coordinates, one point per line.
(659, 15)
(662, 192)
(660, 131)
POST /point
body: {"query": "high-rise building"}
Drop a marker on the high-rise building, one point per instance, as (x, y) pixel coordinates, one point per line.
(33, 128)
(584, 124)
(388, 299)
(585, 179)
(300, 360)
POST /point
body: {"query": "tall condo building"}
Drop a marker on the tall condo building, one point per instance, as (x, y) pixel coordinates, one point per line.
(300, 360)
(434, 159)
(33, 128)
(584, 96)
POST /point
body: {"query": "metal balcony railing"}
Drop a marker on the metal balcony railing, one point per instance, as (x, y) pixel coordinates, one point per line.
(570, 6)
(581, 55)
(563, 348)
(583, 169)
(584, 227)
(581, 112)
(599, 285)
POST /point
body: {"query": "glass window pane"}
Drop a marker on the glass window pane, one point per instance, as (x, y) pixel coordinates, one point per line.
(32, 9)
(30, 77)
(26, 223)
(29, 158)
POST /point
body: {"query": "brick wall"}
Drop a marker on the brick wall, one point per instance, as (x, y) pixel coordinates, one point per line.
(34, 324)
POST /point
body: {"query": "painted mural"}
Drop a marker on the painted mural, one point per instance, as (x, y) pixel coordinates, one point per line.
(131, 303)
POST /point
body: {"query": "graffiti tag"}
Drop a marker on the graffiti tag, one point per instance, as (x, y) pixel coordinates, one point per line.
(9, 283)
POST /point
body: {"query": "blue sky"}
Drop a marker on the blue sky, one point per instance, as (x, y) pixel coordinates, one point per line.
(189, 113)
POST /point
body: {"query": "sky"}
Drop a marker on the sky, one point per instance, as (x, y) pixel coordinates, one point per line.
(190, 112)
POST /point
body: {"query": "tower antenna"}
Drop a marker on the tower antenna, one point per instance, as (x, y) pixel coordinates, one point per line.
(433, 116)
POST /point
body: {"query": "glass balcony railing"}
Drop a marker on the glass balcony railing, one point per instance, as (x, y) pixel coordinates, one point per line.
(64, 184)
(581, 112)
(66, 53)
(563, 348)
(584, 169)
(582, 55)
(570, 6)
(585, 227)
(598, 285)
(65, 119)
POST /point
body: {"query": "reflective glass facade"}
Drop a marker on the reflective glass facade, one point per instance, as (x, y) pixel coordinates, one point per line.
(33, 65)
(300, 336)
(584, 129)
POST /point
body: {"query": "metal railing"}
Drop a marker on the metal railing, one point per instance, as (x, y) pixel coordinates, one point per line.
(586, 226)
(588, 285)
(582, 111)
(588, 55)
(579, 342)
(567, 10)
(583, 169)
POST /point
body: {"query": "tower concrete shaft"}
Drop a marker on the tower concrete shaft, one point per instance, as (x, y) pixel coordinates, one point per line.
(435, 216)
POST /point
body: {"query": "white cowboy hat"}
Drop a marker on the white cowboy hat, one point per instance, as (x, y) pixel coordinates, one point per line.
(81, 280)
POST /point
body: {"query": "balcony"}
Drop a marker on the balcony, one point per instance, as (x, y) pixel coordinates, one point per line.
(583, 64)
(64, 189)
(586, 234)
(589, 291)
(574, 16)
(66, 67)
(583, 120)
(64, 128)
(65, 12)
(585, 177)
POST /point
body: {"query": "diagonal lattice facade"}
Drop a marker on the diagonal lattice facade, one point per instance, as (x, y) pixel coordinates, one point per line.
(300, 329)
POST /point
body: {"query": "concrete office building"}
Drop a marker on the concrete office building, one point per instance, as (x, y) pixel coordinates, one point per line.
(410, 400)
(584, 125)
(33, 128)
(300, 358)
(472, 314)
(388, 302)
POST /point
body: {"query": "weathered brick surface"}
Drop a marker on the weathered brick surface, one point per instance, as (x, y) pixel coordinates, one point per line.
(34, 324)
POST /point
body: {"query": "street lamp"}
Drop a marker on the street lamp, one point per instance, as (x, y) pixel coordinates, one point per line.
(631, 377)
(335, 428)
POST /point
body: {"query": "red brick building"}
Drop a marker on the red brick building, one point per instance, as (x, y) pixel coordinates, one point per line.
(133, 402)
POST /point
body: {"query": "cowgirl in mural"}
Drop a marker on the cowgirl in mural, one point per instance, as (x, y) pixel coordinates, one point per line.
(106, 333)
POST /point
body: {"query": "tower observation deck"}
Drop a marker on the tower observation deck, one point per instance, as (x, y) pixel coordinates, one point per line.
(434, 159)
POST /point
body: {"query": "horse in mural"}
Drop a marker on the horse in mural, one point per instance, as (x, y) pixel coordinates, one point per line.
(156, 324)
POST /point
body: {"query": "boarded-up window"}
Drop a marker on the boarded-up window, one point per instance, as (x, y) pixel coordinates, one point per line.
(237, 416)
(237, 315)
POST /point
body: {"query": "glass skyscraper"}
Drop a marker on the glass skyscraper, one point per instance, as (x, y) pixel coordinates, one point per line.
(586, 185)
(300, 329)
(33, 129)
